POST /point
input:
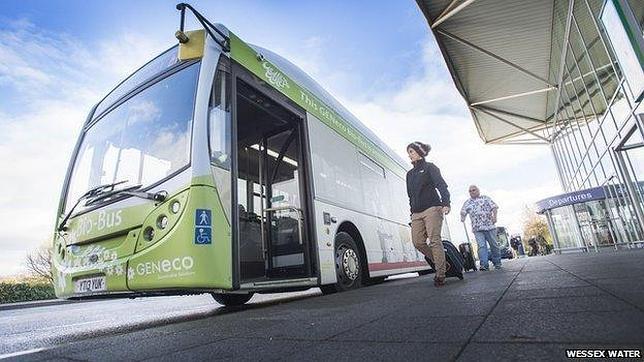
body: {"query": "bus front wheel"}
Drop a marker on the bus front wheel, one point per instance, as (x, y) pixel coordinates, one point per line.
(231, 300)
(348, 265)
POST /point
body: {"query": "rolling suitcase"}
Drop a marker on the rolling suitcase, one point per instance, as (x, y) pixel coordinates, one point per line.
(453, 259)
(468, 257)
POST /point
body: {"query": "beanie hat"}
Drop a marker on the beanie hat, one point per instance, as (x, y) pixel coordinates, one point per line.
(422, 149)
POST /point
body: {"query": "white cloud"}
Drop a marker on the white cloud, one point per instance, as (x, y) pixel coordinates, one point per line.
(54, 80)
(428, 108)
(127, 52)
(312, 53)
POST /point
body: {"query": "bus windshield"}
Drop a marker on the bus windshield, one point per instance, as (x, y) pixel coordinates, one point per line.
(143, 140)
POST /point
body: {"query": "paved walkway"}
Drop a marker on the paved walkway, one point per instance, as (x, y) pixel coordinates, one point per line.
(533, 310)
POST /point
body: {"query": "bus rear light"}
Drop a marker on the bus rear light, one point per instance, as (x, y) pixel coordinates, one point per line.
(148, 233)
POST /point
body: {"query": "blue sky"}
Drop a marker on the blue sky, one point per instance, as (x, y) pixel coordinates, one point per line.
(354, 33)
(378, 58)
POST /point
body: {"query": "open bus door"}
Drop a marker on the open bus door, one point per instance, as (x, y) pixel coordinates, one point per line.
(272, 196)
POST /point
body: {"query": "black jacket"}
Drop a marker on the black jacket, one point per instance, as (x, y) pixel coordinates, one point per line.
(422, 182)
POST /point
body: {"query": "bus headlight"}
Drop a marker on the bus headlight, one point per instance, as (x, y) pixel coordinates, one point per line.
(175, 207)
(148, 233)
(162, 222)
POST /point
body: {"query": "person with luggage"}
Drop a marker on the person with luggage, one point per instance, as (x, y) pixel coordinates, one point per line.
(515, 241)
(483, 211)
(468, 258)
(534, 246)
(543, 245)
(427, 207)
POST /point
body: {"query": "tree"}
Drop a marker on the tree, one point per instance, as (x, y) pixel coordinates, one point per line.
(535, 225)
(38, 263)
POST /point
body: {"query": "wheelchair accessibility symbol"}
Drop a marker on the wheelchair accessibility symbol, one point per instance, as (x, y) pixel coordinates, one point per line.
(203, 226)
(203, 236)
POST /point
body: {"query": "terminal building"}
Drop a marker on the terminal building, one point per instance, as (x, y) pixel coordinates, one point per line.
(568, 75)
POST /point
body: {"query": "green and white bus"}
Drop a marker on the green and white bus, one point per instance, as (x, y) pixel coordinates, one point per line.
(220, 167)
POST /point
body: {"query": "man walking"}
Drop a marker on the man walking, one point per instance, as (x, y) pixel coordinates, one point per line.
(482, 211)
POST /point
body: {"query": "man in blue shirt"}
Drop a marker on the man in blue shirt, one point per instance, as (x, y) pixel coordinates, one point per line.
(482, 211)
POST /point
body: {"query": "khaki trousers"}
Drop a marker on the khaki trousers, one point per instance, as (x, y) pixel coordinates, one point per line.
(426, 224)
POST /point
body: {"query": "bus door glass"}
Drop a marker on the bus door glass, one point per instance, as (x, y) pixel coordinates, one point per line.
(269, 179)
(284, 215)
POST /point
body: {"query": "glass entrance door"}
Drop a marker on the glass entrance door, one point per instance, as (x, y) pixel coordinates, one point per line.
(595, 224)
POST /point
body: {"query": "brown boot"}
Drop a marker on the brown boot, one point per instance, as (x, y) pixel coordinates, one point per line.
(439, 282)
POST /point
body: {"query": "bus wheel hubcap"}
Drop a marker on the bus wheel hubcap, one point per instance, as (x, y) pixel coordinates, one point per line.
(350, 264)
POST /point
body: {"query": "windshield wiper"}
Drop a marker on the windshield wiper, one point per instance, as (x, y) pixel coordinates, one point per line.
(158, 196)
(93, 192)
(93, 200)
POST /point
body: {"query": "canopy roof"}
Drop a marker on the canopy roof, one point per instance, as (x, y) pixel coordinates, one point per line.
(505, 59)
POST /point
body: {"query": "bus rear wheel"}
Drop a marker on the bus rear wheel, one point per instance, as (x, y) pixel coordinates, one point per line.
(231, 300)
(348, 265)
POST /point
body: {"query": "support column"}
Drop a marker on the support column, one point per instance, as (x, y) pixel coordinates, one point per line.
(558, 166)
(578, 228)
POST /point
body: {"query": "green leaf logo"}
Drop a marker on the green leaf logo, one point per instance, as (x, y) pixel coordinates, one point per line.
(275, 77)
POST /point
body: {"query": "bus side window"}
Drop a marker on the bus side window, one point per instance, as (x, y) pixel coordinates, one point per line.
(219, 117)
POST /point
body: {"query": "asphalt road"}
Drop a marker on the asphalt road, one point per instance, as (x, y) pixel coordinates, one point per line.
(533, 309)
(23, 331)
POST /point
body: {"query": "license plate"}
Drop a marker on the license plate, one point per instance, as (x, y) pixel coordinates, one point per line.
(89, 285)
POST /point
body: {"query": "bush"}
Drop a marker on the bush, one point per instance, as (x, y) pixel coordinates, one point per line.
(25, 292)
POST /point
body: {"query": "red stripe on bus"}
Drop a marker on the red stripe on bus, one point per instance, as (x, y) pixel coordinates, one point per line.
(401, 265)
